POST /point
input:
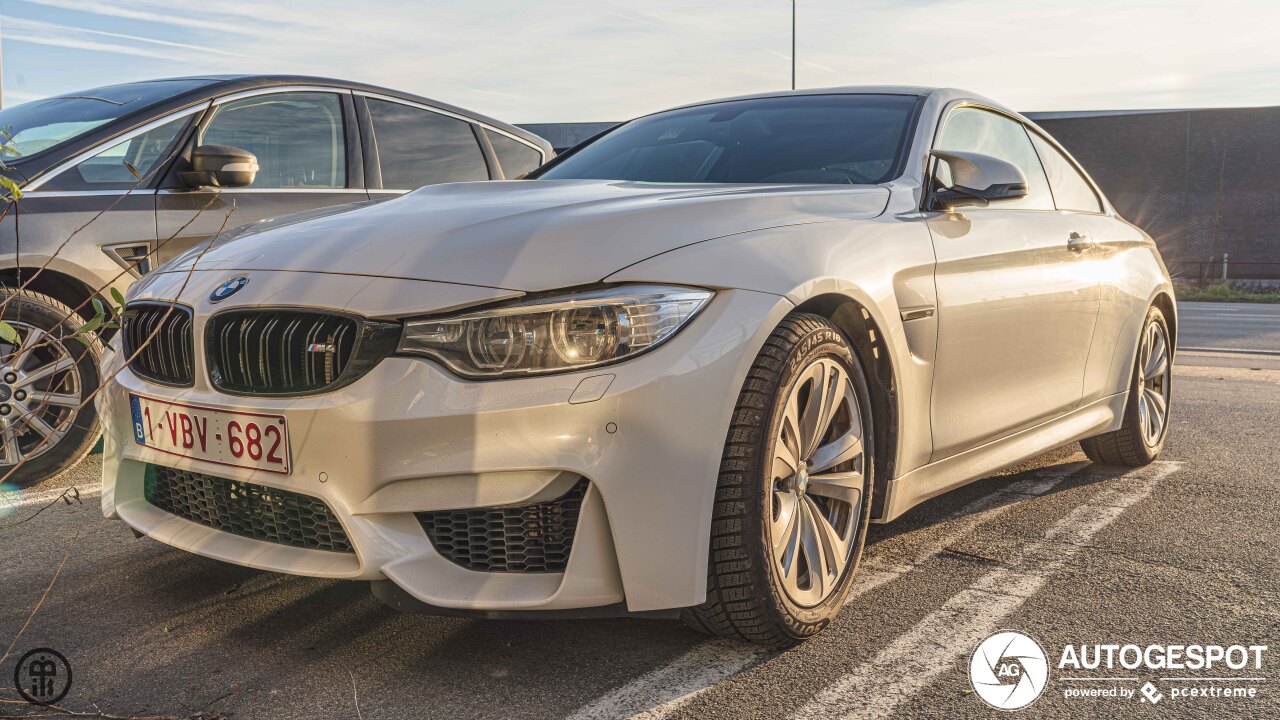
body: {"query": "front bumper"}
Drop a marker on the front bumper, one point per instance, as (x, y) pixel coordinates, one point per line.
(410, 437)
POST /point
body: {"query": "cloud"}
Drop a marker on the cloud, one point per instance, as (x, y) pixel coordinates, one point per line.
(607, 59)
(60, 35)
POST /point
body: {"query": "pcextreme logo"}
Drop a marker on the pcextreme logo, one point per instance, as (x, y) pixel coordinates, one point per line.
(1009, 670)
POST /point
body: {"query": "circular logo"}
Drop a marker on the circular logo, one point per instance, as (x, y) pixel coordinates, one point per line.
(42, 677)
(1009, 670)
(228, 288)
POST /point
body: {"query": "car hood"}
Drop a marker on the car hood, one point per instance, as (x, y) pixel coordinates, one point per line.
(526, 235)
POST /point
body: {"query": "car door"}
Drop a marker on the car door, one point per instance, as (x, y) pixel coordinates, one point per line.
(308, 152)
(1104, 251)
(100, 200)
(411, 145)
(1017, 302)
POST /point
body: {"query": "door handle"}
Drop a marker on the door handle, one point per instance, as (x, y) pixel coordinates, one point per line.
(1079, 243)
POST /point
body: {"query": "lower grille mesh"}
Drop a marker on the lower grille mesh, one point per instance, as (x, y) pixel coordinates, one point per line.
(525, 538)
(245, 509)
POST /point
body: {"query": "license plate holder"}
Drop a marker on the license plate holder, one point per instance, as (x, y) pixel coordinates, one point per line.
(256, 441)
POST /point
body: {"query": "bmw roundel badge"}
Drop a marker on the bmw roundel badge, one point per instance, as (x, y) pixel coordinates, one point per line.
(228, 288)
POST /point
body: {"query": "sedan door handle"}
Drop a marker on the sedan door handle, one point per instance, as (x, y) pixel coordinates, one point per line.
(1079, 243)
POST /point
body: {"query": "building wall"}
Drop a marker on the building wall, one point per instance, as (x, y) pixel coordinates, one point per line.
(1201, 182)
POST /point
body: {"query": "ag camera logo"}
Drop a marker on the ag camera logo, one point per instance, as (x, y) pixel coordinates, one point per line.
(1009, 670)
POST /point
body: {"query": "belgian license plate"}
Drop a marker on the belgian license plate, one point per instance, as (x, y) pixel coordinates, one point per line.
(226, 437)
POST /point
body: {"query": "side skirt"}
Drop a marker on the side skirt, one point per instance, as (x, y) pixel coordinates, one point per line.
(1100, 416)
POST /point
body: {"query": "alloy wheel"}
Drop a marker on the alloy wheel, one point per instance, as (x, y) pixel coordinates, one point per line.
(1153, 383)
(40, 394)
(817, 482)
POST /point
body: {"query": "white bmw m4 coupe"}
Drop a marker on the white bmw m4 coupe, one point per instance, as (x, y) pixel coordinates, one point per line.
(675, 373)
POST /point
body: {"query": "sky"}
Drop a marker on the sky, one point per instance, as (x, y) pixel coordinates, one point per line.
(600, 60)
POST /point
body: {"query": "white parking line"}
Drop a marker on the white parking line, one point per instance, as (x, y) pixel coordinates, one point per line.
(915, 659)
(962, 522)
(14, 499)
(659, 693)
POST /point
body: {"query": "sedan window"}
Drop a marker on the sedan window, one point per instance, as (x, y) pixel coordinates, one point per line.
(515, 157)
(298, 138)
(109, 169)
(811, 139)
(417, 147)
(39, 125)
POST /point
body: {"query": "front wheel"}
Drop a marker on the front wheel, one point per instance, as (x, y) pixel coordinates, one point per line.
(48, 421)
(1146, 414)
(794, 494)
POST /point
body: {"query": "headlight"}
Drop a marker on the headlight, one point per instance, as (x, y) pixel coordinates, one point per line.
(555, 334)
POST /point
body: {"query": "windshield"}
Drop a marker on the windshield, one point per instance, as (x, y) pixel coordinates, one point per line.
(820, 139)
(40, 124)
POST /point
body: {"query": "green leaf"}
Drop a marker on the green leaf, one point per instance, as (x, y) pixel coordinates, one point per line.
(99, 310)
(91, 326)
(9, 334)
(117, 296)
(11, 187)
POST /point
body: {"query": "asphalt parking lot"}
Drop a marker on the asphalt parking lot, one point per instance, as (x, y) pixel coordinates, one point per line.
(1183, 551)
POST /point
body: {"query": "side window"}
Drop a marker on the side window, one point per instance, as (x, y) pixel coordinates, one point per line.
(298, 137)
(1070, 190)
(107, 169)
(982, 131)
(417, 147)
(516, 158)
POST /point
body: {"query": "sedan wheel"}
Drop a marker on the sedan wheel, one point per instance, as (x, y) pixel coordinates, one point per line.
(45, 380)
(793, 498)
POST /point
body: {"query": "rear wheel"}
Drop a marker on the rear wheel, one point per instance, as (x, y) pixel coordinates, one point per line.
(44, 381)
(1146, 415)
(794, 494)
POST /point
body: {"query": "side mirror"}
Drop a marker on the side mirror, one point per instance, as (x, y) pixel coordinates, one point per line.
(221, 166)
(979, 178)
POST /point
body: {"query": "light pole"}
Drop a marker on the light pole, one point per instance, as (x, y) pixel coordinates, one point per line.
(793, 44)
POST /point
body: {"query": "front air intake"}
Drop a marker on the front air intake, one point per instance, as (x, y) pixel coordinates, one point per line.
(246, 509)
(533, 538)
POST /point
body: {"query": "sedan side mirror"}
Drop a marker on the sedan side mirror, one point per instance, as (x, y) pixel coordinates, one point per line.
(979, 178)
(221, 166)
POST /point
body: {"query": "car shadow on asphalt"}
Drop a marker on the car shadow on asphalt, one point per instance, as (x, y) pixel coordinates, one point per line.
(958, 503)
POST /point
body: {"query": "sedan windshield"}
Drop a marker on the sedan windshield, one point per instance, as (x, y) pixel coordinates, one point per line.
(816, 139)
(40, 124)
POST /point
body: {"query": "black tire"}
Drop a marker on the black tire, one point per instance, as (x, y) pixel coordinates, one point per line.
(26, 311)
(1129, 446)
(745, 597)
